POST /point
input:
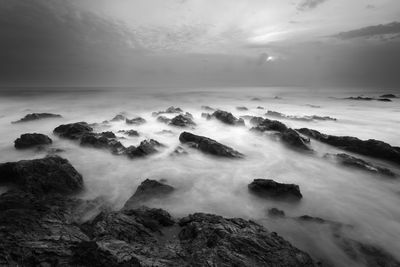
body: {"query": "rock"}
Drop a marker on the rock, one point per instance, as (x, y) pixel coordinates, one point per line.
(360, 98)
(371, 147)
(171, 109)
(298, 118)
(209, 146)
(207, 108)
(274, 212)
(118, 117)
(388, 96)
(103, 140)
(37, 116)
(146, 147)
(148, 189)
(242, 108)
(31, 140)
(227, 118)
(129, 132)
(255, 99)
(211, 240)
(384, 99)
(206, 115)
(73, 130)
(182, 121)
(136, 121)
(351, 161)
(108, 134)
(259, 107)
(179, 151)
(295, 140)
(163, 119)
(51, 174)
(270, 125)
(256, 120)
(270, 189)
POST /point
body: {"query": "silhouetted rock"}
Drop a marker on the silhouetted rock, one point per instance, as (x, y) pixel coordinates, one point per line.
(371, 147)
(182, 121)
(270, 189)
(29, 140)
(146, 147)
(118, 117)
(295, 140)
(259, 107)
(227, 118)
(388, 96)
(274, 212)
(242, 108)
(148, 189)
(51, 174)
(136, 121)
(37, 116)
(73, 130)
(351, 161)
(270, 125)
(362, 98)
(129, 132)
(105, 140)
(208, 145)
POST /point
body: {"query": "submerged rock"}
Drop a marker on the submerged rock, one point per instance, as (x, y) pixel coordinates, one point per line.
(371, 147)
(118, 117)
(145, 148)
(206, 115)
(209, 146)
(148, 189)
(270, 189)
(163, 119)
(207, 108)
(51, 174)
(242, 108)
(73, 130)
(227, 118)
(136, 121)
(182, 121)
(37, 116)
(358, 163)
(171, 109)
(29, 140)
(298, 118)
(295, 140)
(274, 212)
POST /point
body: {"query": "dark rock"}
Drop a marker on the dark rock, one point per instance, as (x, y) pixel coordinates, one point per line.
(211, 240)
(182, 121)
(209, 146)
(371, 147)
(51, 174)
(73, 130)
(242, 108)
(388, 96)
(227, 118)
(299, 118)
(136, 121)
(360, 98)
(256, 120)
(37, 116)
(129, 132)
(102, 140)
(351, 161)
(148, 189)
(295, 140)
(270, 189)
(384, 99)
(274, 212)
(171, 109)
(308, 218)
(118, 117)
(146, 147)
(270, 125)
(255, 99)
(207, 108)
(163, 119)
(259, 107)
(108, 134)
(31, 140)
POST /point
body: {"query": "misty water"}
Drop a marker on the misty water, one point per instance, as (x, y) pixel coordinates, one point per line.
(368, 202)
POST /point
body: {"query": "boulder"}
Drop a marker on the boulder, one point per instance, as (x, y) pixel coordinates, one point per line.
(207, 108)
(171, 109)
(73, 130)
(106, 140)
(29, 140)
(129, 132)
(51, 174)
(136, 121)
(182, 121)
(270, 125)
(118, 117)
(148, 189)
(358, 163)
(274, 212)
(146, 147)
(371, 147)
(242, 108)
(270, 189)
(209, 146)
(295, 140)
(37, 116)
(227, 118)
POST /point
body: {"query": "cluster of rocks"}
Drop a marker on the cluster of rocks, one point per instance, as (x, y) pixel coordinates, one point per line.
(181, 120)
(169, 110)
(30, 140)
(299, 118)
(224, 117)
(37, 116)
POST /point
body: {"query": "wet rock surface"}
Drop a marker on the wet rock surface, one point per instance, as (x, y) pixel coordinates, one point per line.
(37, 116)
(30, 140)
(358, 163)
(73, 130)
(148, 189)
(268, 188)
(371, 147)
(185, 120)
(145, 148)
(227, 118)
(208, 145)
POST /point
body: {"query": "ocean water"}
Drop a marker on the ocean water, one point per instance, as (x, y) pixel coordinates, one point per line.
(370, 203)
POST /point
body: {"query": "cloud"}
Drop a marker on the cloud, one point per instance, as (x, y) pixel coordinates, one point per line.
(382, 30)
(309, 4)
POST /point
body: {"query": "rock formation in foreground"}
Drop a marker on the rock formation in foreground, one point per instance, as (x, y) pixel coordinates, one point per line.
(208, 145)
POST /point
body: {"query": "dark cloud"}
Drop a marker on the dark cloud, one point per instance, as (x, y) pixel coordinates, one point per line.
(372, 31)
(305, 5)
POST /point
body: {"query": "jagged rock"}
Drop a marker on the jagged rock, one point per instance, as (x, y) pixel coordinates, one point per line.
(37, 116)
(118, 117)
(208, 145)
(371, 147)
(211, 240)
(148, 189)
(108, 134)
(171, 109)
(73, 130)
(256, 99)
(182, 121)
(274, 212)
(136, 121)
(146, 147)
(207, 108)
(351, 161)
(105, 140)
(163, 119)
(51, 174)
(129, 132)
(242, 108)
(227, 118)
(270, 125)
(388, 96)
(31, 140)
(295, 140)
(270, 189)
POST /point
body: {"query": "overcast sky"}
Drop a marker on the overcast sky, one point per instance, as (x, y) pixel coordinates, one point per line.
(200, 42)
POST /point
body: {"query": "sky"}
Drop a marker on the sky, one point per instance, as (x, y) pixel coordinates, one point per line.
(200, 42)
